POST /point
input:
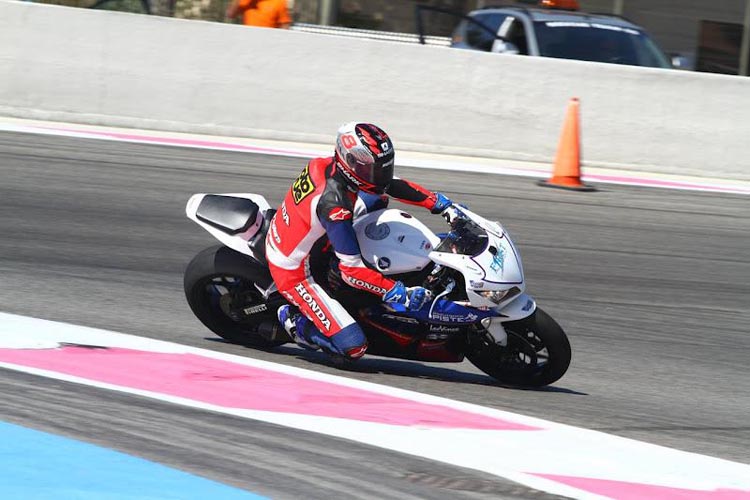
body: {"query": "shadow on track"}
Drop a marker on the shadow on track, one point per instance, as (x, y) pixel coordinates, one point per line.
(406, 368)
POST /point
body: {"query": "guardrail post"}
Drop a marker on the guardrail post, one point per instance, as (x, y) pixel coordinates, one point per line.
(328, 10)
(745, 47)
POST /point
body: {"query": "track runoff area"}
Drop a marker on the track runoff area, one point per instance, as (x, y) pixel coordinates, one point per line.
(576, 462)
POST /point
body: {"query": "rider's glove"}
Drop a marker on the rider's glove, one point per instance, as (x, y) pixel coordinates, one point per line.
(412, 298)
(441, 203)
(453, 212)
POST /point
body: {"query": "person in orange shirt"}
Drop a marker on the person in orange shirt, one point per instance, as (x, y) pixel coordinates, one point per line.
(264, 13)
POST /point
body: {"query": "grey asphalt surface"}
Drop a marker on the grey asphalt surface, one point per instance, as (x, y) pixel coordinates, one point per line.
(652, 287)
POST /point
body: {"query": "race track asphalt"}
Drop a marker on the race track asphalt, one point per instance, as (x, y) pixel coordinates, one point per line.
(652, 286)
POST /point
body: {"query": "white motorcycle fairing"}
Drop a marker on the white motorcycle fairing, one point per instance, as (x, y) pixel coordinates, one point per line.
(237, 242)
(395, 242)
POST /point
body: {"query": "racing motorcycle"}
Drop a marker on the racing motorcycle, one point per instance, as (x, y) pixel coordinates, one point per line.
(478, 311)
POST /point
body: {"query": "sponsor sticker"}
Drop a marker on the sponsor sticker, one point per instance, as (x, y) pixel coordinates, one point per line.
(384, 263)
(498, 260)
(351, 176)
(476, 270)
(358, 283)
(313, 304)
(284, 213)
(275, 231)
(339, 214)
(376, 231)
(255, 309)
(444, 329)
(454, 318)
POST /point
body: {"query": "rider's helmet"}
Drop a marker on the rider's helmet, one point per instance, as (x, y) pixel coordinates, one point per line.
(364, 156)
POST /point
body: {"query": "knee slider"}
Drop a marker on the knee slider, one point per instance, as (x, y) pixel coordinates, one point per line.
(350, 342)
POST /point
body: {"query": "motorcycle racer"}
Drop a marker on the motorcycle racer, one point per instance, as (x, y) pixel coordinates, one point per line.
(321, 203)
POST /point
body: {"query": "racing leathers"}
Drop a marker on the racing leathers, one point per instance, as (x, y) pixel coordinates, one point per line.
(321, 203)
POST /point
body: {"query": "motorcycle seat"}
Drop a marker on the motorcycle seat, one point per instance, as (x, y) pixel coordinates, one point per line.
(228, 214)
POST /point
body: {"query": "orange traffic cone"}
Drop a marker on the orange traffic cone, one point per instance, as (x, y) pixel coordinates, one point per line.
(566, 173)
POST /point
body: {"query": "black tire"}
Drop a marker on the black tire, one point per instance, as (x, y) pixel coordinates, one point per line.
(538, 353)
(214, 278)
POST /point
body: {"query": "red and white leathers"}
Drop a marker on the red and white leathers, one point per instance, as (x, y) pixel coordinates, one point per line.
(320, 204)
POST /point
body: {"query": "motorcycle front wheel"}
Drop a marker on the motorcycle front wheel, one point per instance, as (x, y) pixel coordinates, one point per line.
(538, 352)
(220, 289)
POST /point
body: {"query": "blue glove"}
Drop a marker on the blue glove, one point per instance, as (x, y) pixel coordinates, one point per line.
(441, 203)
(453, 213)
(412, 298)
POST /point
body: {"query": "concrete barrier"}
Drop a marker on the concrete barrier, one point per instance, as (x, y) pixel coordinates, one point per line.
(119, 69)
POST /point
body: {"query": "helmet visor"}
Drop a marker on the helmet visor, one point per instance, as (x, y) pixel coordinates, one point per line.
(377, 175)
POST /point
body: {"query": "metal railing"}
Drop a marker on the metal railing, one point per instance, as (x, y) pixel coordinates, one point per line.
(440, 41)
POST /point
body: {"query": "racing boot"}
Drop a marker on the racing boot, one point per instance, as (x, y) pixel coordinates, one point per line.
(294, 323)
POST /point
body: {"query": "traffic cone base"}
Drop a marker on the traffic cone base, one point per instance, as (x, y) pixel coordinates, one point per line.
(566, 173)
(570, 183)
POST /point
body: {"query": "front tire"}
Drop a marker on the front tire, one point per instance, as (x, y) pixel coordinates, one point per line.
(538, 352)
(219, 285)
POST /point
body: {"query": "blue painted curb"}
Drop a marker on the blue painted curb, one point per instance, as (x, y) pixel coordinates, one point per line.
(36, 465)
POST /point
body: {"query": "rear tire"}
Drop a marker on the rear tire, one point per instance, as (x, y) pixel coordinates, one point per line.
(538, 352)
(216, 282)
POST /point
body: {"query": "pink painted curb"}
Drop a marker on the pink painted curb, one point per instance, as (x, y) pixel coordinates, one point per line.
(233, 385)
(620, 490)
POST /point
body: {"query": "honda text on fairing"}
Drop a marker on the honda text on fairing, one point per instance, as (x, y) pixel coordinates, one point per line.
(478, 308)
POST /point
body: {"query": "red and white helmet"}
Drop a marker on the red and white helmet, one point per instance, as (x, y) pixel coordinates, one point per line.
(365, 156)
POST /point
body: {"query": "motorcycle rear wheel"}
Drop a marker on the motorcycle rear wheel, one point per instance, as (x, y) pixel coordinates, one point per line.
(216, 281)
(538, 352)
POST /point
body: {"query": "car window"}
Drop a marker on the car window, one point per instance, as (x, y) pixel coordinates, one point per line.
(598, 42)
(514, 31)
(480, 34)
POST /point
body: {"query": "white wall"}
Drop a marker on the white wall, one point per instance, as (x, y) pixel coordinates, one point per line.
(128, 70)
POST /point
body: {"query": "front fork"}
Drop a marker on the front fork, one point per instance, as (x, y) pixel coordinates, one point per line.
(495, 330)
(521, 307)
